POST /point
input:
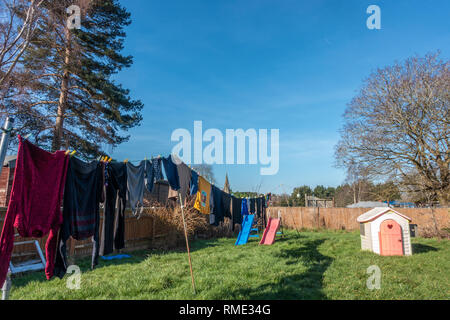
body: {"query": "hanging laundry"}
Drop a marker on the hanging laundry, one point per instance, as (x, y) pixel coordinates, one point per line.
(244, 209)
(113, 227)
(170, 168)
(258, 206)
(184, 177)
(194, 182)
(260, 213)
(212, 216)
(135, 187)
(202, 201)
(252, 205)
(263, 210)
(236, 207)
(35, 203)
(218, 209)
(226, 201)
(153, 173)
(81, 213)
(184, 174)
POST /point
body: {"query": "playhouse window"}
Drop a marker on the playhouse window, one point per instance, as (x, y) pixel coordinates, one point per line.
(362, 229)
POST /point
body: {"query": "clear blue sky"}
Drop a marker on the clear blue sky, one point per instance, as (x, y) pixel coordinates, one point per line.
(288, 65)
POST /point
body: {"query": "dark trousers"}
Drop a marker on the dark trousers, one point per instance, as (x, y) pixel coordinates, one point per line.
(113, 227)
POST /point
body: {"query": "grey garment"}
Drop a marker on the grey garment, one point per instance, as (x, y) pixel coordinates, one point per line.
(184, 175)
(135, 187)
(211, 200)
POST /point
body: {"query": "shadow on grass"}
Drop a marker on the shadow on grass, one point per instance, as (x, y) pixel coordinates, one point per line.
(422, 248)
(289, 237)
(84, 263)
(305, 285)
(201, 244)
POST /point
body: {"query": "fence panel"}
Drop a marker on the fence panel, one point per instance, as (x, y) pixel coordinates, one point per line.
(345, 218)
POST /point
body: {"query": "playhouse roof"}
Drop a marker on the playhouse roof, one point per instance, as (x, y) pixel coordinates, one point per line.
(376, 212)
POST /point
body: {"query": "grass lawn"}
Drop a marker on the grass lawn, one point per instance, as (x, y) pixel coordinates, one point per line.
(303, 265)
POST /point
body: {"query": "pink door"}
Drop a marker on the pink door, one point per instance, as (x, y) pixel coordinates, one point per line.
(391, 243)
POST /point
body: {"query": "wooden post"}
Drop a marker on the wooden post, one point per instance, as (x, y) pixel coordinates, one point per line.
(293, 222)
(187, 241)
(318, 218)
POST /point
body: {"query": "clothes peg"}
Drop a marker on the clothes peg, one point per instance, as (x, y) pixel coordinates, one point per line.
(67, 152)
(110, 159)
(73, 152)
(126, 160)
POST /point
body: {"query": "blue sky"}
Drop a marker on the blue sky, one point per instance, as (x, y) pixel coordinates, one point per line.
(287, 65)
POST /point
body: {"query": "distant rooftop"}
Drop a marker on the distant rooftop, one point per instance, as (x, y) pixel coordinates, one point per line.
(368, 204)
(10, 161)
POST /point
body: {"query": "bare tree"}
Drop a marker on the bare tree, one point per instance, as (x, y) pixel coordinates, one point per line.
(357, 179)
(400, 123)
(16, 31)
(206, 171)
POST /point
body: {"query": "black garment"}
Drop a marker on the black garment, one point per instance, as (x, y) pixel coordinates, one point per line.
(252, 205)
(113, 228)
(236, 205)
(218, 209)
(260, 209)
(171, 173)
(81, 217)
(258, 202)
(226, 202)
(263, 210)
(194, 182)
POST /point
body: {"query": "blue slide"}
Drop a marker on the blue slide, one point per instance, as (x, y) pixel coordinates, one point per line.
(245, 230)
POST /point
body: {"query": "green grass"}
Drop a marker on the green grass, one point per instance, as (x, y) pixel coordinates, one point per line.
(304, 265)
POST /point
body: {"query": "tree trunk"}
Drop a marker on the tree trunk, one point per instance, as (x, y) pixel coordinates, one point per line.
(62, 103)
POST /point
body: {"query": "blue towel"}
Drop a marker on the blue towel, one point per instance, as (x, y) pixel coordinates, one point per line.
(117, 256)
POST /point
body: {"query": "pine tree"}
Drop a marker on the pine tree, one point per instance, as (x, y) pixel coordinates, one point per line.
(72, 100)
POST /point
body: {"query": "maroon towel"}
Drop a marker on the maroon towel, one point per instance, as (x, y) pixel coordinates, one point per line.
(35, 204)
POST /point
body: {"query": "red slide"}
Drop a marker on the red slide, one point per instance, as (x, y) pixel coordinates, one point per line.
(270, 232)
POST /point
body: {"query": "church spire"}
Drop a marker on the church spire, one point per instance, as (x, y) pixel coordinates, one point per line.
(226, 186)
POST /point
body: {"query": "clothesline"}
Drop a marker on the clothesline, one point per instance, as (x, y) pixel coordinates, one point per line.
(73, 152)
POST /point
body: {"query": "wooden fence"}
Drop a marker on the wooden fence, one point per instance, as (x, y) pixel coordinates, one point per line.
(426, 219)
(147, 231)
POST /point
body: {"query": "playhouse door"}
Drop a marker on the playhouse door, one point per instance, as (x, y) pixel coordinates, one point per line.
(391, 243)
